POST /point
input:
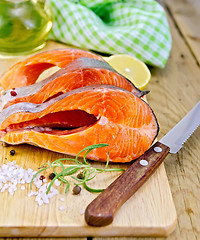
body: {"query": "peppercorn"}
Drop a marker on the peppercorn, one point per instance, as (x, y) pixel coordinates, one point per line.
(12, 152)
(42, 177)
(76, 190)
(13, 93)
(51, 176)
(80, 176)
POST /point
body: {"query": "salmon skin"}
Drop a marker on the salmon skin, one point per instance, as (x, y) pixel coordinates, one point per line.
(101, 114)
(79, 73)
(26, 72)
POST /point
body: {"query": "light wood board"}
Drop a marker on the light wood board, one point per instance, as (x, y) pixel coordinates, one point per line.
(150, 212)
(186, 14)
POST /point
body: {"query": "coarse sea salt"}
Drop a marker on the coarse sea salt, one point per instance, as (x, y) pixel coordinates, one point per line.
(82, 211)
(57, 183)
(62, 208)
(62, 199)
(12, 174)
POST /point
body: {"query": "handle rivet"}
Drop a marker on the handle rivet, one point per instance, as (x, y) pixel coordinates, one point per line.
(158, 149)
(143, 162)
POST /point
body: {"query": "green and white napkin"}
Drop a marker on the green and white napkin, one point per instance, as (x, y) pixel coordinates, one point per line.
(135, 27)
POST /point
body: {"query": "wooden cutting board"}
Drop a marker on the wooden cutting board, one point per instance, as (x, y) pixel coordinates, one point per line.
(150, 212)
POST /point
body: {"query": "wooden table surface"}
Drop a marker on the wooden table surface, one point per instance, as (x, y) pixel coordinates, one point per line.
(174, 91)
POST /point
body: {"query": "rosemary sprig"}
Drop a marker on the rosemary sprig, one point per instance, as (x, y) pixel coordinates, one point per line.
(89, 172)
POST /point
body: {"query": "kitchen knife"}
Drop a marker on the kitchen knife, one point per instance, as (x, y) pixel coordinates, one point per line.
(101, 211)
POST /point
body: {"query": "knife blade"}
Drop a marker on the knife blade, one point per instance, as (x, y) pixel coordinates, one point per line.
(101, 211)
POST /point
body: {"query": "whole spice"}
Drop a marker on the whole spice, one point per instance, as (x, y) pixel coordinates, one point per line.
(80, 175)
(13, 93)
(42, 177)
(51, 176)
(12, 152)
(76, 190)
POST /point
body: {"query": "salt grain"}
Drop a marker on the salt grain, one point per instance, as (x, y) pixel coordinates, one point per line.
(62, 199)
(57, 183)
(45, 198)
(62, 208)
(22, 181)
(50, 195)
(5, 186)
(14, 181)
(31, 193)
(38, 184)
(2, 178)
(82, 211)
(40, 202)
(53, 190)
(38, 198)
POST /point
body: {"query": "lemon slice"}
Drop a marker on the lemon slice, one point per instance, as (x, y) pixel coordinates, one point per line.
(132, 68)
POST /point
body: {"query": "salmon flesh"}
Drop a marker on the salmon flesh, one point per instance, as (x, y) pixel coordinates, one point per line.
(26, 72)
(87, 115)
(79, 73)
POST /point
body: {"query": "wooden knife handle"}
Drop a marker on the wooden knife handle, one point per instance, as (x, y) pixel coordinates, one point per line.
(101, 211)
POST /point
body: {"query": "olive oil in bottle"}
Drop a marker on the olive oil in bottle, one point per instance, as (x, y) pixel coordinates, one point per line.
(24, 26)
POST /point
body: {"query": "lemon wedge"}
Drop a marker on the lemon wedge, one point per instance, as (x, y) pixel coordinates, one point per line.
(132, 68)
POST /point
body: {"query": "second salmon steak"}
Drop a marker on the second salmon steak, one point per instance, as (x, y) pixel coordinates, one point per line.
(81, 117)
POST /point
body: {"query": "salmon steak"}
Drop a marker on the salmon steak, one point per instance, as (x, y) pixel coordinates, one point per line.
(79, 73)
(26, 72)
(88, 115)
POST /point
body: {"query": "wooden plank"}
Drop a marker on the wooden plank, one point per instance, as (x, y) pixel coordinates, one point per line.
(146, 213)
(186, 14)
(174, 91)
(178, 88)
(42, 238)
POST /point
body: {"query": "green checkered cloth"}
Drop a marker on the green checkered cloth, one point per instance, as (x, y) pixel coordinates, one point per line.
(135, 27)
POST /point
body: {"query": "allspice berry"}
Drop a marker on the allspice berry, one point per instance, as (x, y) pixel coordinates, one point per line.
(76, 190)
(80, 176)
